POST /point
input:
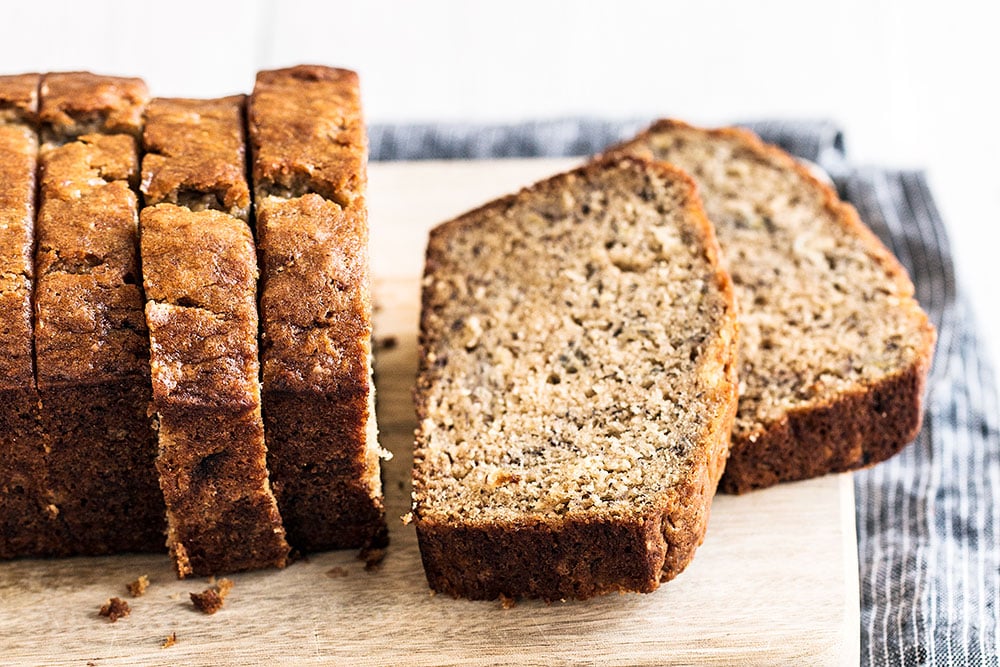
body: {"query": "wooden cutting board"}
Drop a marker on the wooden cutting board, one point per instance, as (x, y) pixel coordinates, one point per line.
(774, 583)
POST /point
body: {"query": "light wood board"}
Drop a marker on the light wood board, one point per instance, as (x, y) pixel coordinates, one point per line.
(774, 583)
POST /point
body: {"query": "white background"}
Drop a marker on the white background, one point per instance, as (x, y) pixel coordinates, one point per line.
(914, 84)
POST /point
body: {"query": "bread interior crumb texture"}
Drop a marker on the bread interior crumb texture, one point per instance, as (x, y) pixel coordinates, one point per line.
(817, 315)
(565, 369)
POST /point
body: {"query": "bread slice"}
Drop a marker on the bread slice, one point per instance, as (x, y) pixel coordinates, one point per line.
(834, 349)
(200, 274)
(28, 523)
(309, 156)
(576, 387)
(92, 348)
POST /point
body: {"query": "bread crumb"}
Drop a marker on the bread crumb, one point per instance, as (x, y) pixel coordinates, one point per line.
(507, 602)
(373, 557)
(169, 641)
(114, 609)
(224, 586)
(138, 587)
(386, 343)
(211, 599)
(336, 572)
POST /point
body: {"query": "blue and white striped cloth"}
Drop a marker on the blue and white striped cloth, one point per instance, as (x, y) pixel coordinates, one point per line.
(929, 519)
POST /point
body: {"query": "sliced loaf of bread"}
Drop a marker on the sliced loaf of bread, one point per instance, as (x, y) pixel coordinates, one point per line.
(576, 387)
(834, 349)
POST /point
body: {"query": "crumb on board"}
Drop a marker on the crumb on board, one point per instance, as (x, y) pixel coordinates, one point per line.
(212, 598)
(169, 641)
(373, 557)
(407, 518)
(336, 572)
(114, 609)
(138, 587)
(507, 602)
(385, 343)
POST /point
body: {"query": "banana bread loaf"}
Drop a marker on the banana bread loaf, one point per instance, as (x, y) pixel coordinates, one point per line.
(200, 272)
(309, 157)
(576, 388)
(28, 524)
(92, 349)
(835, 350)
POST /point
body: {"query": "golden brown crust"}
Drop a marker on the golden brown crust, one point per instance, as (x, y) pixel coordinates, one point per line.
(316, 300)
(78, 103)
(579, 555)
(195, 155)
(199, 259)
(308, 134)
(202, 314)
(88, 266)
(309, 156)
(18, 160)
(856, 429)
(19, 98)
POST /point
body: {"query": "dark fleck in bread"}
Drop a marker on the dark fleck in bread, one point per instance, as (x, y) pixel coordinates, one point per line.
(90, 335)
(195, 155)
(576, 387)
(200, 276)
(28, 523)
(309, 156)
(834, 349)
(78, 103)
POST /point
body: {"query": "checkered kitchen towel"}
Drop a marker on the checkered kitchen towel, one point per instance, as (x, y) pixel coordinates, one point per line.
(929, 519)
